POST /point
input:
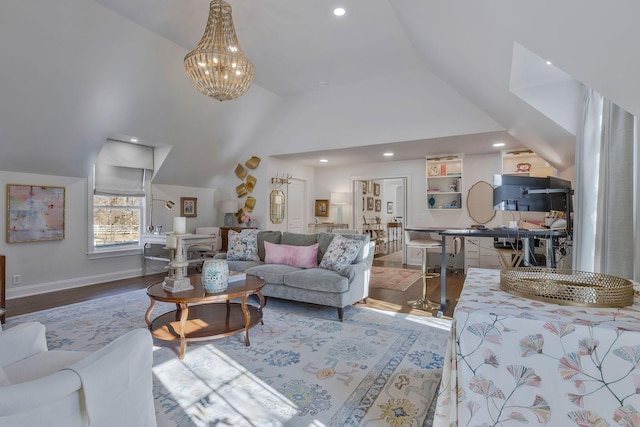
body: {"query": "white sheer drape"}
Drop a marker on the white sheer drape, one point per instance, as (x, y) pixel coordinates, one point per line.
(605, 219)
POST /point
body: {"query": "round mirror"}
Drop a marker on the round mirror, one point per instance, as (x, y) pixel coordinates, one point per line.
(277, 206)
(480, 202)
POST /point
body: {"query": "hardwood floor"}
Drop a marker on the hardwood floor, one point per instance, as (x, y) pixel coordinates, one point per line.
(383, 299)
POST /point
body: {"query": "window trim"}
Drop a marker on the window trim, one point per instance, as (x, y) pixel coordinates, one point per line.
(98, 253)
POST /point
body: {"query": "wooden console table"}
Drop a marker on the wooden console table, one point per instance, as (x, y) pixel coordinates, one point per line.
(328, 226)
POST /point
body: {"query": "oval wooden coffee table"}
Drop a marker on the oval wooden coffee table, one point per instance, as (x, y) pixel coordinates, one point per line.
(202, 316)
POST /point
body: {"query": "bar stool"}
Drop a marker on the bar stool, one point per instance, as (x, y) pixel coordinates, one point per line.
(415, 240)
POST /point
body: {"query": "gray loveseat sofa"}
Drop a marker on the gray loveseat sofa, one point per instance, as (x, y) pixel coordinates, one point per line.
(311, 285)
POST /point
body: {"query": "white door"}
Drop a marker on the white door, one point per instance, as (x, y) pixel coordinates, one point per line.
(295, 206)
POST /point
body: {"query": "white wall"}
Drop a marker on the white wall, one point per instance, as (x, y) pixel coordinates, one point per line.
(60, 264)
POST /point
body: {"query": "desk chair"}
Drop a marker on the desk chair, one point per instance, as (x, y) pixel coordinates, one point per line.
(205, 251)
(454, 244)
(422, 241)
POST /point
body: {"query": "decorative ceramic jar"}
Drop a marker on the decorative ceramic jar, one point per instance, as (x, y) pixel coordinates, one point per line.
(215, 275)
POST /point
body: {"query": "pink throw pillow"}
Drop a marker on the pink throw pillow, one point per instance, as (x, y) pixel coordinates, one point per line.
(295, 256)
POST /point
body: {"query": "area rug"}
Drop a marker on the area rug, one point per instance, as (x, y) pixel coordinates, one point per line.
(303, 368)
(395, 256)
(397, 279)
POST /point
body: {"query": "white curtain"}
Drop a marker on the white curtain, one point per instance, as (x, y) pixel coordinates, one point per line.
(605, 187)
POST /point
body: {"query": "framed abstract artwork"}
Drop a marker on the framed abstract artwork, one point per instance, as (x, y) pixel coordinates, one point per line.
(35, 213)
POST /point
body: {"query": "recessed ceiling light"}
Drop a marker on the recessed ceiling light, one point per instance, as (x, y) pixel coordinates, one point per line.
(548, 62)
(324, 161)
(339, 11)
(499, 144)
(388, 154)
(134, 139)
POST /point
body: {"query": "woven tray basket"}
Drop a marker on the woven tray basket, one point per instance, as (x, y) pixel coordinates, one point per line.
(567, 287)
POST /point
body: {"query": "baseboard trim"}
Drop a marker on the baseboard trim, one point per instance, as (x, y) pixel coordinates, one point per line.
(78, 282)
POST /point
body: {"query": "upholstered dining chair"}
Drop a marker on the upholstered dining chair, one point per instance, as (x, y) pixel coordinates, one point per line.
(109, 387)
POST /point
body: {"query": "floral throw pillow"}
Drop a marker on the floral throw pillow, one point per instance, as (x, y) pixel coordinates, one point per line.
(243, 246)
(340, 253)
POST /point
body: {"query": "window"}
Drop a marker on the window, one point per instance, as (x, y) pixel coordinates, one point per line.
(117, 203)
(116, 221)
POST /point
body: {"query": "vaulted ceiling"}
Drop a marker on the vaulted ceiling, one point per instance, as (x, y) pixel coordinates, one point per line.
(421, 75)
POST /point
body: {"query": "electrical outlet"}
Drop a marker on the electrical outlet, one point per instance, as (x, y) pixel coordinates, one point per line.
(17, 279)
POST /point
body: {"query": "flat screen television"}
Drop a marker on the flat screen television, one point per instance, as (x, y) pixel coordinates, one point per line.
(533, 194)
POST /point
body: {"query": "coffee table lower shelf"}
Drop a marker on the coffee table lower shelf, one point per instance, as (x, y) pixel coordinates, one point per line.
(206, 322)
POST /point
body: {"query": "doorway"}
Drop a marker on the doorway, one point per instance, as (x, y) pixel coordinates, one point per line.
(295, 198)
(379, 209)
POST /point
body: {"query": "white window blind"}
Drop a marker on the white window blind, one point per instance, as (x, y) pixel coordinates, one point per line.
(122, 169)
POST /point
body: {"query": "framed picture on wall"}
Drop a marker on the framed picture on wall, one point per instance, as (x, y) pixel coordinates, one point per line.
(363, 184)
(35, 213)
(376, 190)
(363, 205)
(189, 206)
(369, 203)
(322, 207)
(378, 205)
(389, 207)
(370, 186)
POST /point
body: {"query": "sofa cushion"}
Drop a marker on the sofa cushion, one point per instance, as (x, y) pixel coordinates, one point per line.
(267, 236)
(243, 246)
(295, 256)
(341, 253)
(317, 279)
(272, 273)
(298, 239)
(241, 266)
(324, 240)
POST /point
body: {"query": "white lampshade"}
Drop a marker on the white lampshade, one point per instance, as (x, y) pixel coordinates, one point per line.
(229, 206)
(340, 198)
(179, 225)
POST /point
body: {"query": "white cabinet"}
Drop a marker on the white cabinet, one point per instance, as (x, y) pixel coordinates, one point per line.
(444, 182)
(479, 253)
(525, 162)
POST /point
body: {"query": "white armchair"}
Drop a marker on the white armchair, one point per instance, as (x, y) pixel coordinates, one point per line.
(109, 387)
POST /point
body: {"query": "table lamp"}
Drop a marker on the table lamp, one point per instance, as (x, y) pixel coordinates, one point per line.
(229, 208)
(339, 199)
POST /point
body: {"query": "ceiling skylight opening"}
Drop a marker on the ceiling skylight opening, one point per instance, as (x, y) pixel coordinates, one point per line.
(324, 161)
(388, 154)
(499, 144)
(339, 11)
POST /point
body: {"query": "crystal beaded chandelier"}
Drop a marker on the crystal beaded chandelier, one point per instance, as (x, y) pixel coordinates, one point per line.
(217, 66)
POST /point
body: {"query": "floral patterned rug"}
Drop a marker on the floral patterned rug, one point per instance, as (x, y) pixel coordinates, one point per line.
(303, 368)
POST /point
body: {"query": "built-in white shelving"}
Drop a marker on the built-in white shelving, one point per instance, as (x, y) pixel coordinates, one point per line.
(444, 182)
